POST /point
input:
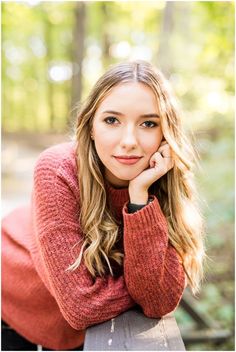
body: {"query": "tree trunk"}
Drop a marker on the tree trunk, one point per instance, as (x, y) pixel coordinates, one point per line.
(176, 19)
(105, 36)
(48, 58)
(78, 52)
(164, 53)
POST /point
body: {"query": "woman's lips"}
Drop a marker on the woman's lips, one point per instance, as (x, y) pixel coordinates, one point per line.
(128, 161)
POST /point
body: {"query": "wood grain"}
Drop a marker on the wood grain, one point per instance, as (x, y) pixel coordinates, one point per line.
(133, 331)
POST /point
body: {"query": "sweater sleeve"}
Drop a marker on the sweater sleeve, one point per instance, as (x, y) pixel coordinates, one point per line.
(82, 300)
(153, 273)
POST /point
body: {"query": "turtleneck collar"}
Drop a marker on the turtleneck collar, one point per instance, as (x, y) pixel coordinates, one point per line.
(117, 196)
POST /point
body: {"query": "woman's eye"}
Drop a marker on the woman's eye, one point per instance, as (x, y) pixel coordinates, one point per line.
(111, 120)
(150, 124)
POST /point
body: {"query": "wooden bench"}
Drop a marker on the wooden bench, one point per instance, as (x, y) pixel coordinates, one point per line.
(133, 331)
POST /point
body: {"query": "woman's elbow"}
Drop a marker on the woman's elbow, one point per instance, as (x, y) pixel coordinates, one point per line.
(77, 321)
(163, 307)
(158, 312)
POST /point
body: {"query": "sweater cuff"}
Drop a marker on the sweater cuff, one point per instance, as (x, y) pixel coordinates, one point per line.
(146, 218)
(132, 208)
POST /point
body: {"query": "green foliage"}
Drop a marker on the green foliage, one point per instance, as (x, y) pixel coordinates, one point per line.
(216, 183)
(200, 55)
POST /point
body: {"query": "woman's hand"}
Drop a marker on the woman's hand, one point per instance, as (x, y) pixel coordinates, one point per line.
(160, 163)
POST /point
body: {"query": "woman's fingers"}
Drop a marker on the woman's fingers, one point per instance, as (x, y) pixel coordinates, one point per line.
(165, 150)
(156, 159)
(162, 160)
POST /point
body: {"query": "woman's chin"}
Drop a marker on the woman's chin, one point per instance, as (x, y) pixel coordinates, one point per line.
(121, 178)
(124, 178)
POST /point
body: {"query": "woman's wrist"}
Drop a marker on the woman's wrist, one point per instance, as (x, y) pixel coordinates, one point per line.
(138, 196)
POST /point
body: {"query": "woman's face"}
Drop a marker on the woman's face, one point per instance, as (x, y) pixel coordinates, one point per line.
(126, 124)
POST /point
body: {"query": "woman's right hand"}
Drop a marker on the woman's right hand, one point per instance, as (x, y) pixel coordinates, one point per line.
(160, 163)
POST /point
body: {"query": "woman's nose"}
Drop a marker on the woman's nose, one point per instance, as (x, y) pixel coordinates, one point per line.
(128, 139)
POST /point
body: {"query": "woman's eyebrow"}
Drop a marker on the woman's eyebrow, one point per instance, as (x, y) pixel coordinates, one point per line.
(120, 114)
(150, 115)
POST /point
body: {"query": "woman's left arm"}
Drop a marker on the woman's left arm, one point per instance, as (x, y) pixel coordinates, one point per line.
(153, 273)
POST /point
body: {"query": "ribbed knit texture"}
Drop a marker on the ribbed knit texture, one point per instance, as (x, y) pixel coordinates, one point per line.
(51, 306)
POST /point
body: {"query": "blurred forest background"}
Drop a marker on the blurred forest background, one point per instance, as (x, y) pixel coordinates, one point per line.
(52, 54)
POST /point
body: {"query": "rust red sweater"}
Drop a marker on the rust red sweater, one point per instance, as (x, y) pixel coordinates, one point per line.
(51, 306)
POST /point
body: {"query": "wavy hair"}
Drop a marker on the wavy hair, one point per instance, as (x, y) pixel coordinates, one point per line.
(175, 190)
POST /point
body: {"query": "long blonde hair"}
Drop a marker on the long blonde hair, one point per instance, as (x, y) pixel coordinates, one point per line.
(175, 190)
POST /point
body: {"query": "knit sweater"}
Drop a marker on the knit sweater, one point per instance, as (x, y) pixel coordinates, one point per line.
(51, 306)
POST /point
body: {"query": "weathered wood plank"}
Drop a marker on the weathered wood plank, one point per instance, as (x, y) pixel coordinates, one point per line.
(133, 331)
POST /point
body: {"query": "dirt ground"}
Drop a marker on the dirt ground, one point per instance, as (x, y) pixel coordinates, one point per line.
(19, 154)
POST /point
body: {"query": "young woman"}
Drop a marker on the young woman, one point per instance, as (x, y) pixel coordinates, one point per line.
(113, 221)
